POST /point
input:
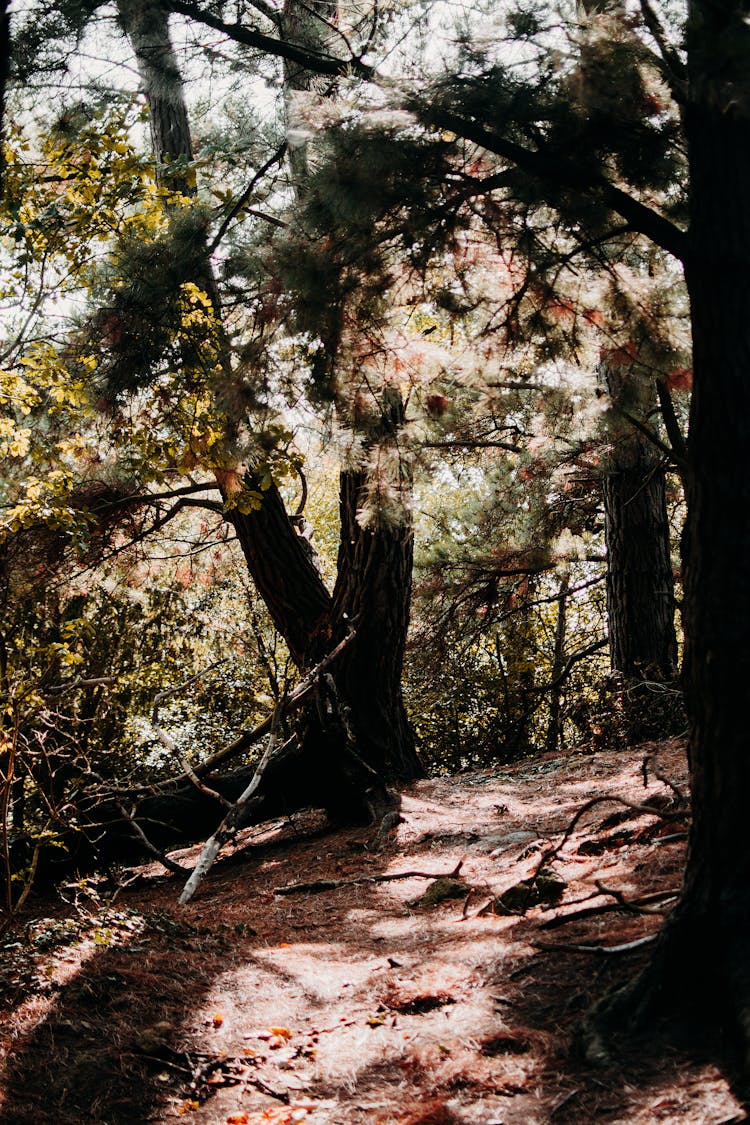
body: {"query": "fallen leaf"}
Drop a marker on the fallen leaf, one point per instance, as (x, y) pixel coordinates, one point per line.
(284, 1032)
(218, 1019)
(238, 1119)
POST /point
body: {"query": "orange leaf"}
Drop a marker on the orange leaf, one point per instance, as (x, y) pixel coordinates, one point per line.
(284, 1032)
(218, 1019)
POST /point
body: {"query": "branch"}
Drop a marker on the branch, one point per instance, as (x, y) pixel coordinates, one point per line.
(245, 197)
(551, 853)
(229, 825)
(654, 438)
(671, 425)
(319, 885)
(552, 167)
(634, 906)
(674, 69)
(317, 61)
(569, 664)
(598, 950)
(137, 831)
(171, 745)
(564, 173)
(80, 685)
(168, 494)
(468, 444)
(185, 684)
(290, 703)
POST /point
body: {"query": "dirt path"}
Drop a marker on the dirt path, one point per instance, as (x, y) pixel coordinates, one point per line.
(361, 1004)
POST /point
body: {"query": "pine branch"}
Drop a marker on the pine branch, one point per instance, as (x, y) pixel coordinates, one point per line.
(317, 61)
(672, 67)
(561, 172)
(550, 167)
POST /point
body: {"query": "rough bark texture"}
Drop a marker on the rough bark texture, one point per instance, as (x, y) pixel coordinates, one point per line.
(640, 586)
(703, 958)
(146, 25)
(354, 736)
(373, 589)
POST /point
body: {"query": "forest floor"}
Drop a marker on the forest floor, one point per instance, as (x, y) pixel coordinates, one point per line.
(400, 1001)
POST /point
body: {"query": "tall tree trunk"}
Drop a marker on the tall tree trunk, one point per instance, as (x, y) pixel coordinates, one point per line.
(703, 957)
(5, 58)
(355, 735)
(640, 585)
(373, 589)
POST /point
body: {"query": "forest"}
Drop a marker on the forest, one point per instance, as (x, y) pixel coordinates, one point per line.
(374, 455)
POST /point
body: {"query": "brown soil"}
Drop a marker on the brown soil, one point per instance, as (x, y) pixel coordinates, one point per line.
(360, 1003)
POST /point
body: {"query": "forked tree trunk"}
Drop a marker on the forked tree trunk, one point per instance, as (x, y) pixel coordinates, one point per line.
(702, 959)
(354, 737)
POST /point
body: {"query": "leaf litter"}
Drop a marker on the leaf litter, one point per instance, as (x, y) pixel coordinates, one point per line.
(365, 999)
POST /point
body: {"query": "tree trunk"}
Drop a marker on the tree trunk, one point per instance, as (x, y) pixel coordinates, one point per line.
(373, 589)
(703, 957)
(640, 586)
(354, 736)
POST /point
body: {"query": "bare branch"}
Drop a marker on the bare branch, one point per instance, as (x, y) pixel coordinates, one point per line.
(290, 703)
(319, 885)
(241, 203)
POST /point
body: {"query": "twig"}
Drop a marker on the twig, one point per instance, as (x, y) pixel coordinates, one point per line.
(75, 685)
(636, 906)
(185, 684)
(319, 885)
(279, 1095)
(650, 761)
(598, 950)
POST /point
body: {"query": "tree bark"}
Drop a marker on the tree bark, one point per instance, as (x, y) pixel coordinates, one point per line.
(640, 584)
(702, 960)
(356, 730)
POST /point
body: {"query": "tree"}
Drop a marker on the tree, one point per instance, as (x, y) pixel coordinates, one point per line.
(626, 153)
(640, 588)
(374, 566)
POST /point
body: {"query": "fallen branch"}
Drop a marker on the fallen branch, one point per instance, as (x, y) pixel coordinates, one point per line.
(319, 885)
(651, 761)
(597, 950)
(164, 860)
(635, 906)
(229, 825)
(287, 705)
(551, 853)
